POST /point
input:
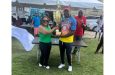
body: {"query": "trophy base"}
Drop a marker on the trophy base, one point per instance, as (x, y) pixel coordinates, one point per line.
(58, 33)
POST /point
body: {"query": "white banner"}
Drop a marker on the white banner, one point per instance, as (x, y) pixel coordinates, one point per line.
(24, 37)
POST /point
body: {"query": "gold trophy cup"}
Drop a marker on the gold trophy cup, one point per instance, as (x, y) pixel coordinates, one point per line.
(57, 17)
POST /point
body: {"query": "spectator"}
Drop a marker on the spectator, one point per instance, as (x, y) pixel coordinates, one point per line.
(100, 43)
(100, 23)
(36, 24)
(13, 21)
(19, 21)
(29, 20)
(81, 24)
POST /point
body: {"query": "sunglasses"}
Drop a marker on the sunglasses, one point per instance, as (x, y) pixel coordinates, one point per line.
(45, 21)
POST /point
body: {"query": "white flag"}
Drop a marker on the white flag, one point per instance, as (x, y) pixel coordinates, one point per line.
(24, 37)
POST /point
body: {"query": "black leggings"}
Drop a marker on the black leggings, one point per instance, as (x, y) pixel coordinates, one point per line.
(45, 49)
(68, 47)
(100, 45)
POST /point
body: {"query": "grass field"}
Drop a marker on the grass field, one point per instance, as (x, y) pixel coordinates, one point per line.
(24, 63)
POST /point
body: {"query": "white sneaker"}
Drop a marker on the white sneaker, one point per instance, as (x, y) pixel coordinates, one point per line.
(70, 68)
(47, 67)
(61, 65)
(40, 65)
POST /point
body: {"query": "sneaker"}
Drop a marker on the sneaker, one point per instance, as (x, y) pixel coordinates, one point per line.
(47, 67)
(40, 65)
(70, 68)
(61, 65)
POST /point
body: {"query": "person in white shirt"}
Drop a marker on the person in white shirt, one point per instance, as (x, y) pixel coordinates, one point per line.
(99, 26)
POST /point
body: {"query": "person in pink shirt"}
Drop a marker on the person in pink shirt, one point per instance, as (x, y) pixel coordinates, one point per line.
(81, 24)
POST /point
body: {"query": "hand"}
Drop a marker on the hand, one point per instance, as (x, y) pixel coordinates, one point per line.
(58, 33)
(83, 26)
(32, 26)
(62, 36)
(55, 27)
(51, 26)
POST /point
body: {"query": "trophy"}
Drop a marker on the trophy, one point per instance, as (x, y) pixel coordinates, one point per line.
(57, 17)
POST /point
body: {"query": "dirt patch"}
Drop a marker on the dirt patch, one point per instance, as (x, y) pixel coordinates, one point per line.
(89, 34)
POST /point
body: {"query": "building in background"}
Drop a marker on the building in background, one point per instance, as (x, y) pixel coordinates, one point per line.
(26, 9)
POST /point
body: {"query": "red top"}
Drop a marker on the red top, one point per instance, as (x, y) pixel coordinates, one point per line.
(79, 28)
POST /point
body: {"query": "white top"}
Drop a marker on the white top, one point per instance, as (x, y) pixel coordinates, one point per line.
(100, 24)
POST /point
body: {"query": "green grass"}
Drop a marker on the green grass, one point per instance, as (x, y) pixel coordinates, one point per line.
(24, 63)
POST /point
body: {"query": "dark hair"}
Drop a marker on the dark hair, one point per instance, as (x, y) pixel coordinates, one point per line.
(42, 21)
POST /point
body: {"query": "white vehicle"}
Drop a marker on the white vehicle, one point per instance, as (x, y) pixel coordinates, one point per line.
(92, 23)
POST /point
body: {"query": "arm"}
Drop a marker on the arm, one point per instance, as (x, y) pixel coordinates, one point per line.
(69, 34)
(44, 31)
(32, 20)
(84, 22)
(32, 24)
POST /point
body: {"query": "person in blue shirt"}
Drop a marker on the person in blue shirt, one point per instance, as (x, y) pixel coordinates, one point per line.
(68, 27)
(36, 24)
